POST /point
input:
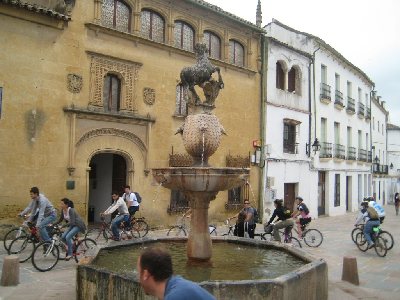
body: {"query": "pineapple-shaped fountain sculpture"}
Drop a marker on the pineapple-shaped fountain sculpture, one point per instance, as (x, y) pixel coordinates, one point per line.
(201, 134)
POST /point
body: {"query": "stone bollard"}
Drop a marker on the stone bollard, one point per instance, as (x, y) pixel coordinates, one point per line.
(10, 272)
(350, 271)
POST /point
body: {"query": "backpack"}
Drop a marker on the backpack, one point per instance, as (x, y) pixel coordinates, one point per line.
(305, 208)
(373, 215)
(138, 197)
(256, 216)
(287, 212)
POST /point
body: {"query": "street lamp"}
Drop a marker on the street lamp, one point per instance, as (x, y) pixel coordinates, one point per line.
(391, 165)
(376, 159)
(316, 146)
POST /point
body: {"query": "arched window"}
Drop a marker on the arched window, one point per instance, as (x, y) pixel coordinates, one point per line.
(180, 101)
(213, 43)
(280, 76)
(292, 80)
(111, 93)
(153, 25)
(184, 36)
(236, 53)
(116, 14)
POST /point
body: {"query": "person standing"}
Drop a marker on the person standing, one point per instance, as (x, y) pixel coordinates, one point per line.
(396, 203)
(46, 212)
(283, 215)
(123, 214)
(130, 200)
(155, 271)
(75, 222)
(249, 223)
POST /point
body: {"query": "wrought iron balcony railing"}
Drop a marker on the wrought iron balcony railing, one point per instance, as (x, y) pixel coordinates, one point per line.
(369, 156)
(290, 147)
(339, 99)
(368, 113)
(351, 153)
(362, 155)
(361, 109)
(326, 150)
(351, 107)
(325, 92)
(339, 151)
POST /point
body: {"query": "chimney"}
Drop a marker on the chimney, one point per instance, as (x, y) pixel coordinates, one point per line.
(259, 14)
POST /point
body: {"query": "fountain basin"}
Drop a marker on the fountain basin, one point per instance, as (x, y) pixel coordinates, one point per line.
(201, 179)
(309, 281)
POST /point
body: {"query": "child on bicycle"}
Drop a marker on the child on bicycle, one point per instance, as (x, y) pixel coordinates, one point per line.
(304, 213)
(283, 215)
(123, 214)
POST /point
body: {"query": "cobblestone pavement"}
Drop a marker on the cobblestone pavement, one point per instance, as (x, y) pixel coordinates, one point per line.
(379, 277)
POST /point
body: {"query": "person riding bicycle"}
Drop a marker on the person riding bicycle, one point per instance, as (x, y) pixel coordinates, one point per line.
(283, 215)
(42, 207)
(371, 218)
(379, 209)
(75, 224)
(123, 214)
(304, 213)
(130, 200)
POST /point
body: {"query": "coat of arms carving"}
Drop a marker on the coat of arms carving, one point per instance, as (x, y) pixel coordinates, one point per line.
(74, 83)
(149, 95)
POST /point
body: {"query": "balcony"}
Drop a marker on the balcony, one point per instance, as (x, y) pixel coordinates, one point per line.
(351, 106)
(380, 169)
(362, 155)
(339, 100)
(361, 110)
(351, 153)
(368, 113)
(325, 95)
(326, 150)
(290, 147)
(339, 151)
(369, 156)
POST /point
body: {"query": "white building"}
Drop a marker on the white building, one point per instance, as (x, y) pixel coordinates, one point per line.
(393, 160)
(288, 172)
(340, 173)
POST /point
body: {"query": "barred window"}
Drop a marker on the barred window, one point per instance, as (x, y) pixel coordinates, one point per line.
(180, 101)
(153, 25)
(213, 43)
(184, 36)
(111, 93)
(116, 14)
(236, 53)
(290, 136)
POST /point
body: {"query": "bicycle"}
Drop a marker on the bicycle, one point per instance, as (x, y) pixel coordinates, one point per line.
(231, 228)
(379, 243)
(286, 235)
(180, 228)
(383, 233)
(13, 234)
(47, 254)
(312, 237)
(139, 225)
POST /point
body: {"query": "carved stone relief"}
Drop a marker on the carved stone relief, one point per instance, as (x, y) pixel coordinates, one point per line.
(149, 96)
(74, 83)
(128, 72)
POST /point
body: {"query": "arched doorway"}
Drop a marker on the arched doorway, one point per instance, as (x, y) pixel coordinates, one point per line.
(108, 172)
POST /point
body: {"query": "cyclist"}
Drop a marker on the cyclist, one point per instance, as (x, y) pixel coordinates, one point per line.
(46, 213)
(283, 215)
(123, 214)
(75, 222)
(371, 218)
(304, 213)
(379, 209)
(130, 200)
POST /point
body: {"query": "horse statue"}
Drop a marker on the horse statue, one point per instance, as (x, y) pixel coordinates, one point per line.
(201, 74)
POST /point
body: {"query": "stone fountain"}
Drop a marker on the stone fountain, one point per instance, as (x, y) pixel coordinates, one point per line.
(201, 134)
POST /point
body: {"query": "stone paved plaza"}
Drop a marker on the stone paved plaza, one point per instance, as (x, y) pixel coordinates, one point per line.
(379, 277)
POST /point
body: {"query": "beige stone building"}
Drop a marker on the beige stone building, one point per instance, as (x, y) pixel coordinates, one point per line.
(90, 99)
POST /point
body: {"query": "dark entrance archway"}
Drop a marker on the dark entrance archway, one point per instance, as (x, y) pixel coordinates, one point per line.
(108, 173)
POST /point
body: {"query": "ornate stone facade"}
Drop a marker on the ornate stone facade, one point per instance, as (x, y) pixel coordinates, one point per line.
(74, 83)
(149, 96)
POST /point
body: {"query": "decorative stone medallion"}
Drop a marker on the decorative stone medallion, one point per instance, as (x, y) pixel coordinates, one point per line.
(74, 83)
(149, 96)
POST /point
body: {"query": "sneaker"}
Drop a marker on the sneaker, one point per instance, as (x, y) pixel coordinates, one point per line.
(115, 239)
(68, 257)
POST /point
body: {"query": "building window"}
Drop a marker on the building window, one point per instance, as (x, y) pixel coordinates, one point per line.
(180, 101)
(236, 53)
(178, 202)
(237, 196)
(116, 14)
(290, 129)
(111, 93)
(293, 80)
(337, 190)
(153, 26)
(184, 36)
(213, 43)
(280, 76)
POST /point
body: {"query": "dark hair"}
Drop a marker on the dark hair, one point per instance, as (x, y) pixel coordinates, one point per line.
(278, 202)
(68, 202)
(127, 187)
(115, 193)
(34, 190)
(157, 262)
(299, 198)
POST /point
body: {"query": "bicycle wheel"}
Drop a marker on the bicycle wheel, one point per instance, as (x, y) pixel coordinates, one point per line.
(354, 233)
(176, 231)
(45, 256)
(84, 248)
(380, 246)
(361, 242)
(140, 226)
(12, 235)
(213, 230)
(313, 238)
(388, 239)
(23, 247)
(294, 242)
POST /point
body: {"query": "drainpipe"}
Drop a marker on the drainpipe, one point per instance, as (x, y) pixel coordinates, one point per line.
(309, 107)
(370, 140)
(315, 104)
(263, 110)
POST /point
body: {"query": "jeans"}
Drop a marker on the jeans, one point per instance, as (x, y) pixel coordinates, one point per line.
(280, 225)
(42, 226)
(68, 235)
(115, 224)
(368, 230)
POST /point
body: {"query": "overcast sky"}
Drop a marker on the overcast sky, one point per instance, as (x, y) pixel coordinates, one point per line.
(366, 32)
